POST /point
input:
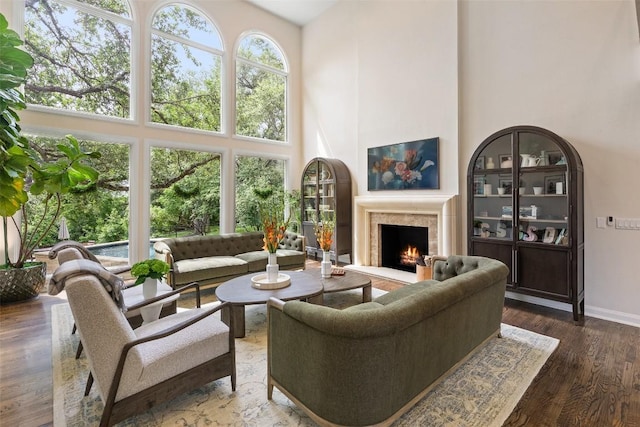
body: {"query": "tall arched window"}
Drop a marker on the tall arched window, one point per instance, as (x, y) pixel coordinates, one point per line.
(261, 89)
(82, 53)
(186, 69)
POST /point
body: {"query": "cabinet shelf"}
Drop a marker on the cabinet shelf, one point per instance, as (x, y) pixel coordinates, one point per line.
(508, 196)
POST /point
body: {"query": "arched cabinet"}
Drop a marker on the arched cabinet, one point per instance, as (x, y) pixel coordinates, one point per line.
(526, 208)
(326, 190)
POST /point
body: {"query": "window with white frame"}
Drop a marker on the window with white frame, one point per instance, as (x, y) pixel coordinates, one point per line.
(82, 55)
(186, 69)
(185, 192)
(255, 173)
(97, 214)
(261, 89)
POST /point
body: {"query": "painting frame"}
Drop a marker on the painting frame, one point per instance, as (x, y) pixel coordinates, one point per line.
(411, 165)
(480, 163)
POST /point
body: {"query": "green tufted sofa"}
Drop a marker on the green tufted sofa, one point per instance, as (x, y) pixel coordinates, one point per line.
(217, 258)
(370, 363)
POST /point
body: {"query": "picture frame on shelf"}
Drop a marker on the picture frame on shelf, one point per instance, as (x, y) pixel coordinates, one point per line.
(478, 184)
(549, 235)
(502, 158)
(554, 157)
(550, 183)
(480, 162)
(506, 183)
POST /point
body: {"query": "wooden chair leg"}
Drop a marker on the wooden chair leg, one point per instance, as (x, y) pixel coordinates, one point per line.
(87, 388)
(79, 351)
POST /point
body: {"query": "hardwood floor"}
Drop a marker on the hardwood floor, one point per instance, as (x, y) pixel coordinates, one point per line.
(592, 379)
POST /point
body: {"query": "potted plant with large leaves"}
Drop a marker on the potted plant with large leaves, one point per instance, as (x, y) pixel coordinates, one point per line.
(23, 171)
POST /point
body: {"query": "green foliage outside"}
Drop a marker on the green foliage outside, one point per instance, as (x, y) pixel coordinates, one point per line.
(82, 63)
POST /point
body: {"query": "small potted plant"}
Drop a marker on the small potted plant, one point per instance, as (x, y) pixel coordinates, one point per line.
(147, 273)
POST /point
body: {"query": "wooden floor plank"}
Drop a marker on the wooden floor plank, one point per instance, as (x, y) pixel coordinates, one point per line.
(592, 379)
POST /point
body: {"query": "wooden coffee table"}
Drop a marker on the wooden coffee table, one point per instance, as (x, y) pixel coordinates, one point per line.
(350, 280)
(305, 285)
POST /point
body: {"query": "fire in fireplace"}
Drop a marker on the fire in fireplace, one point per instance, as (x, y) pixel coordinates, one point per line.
(401, 245)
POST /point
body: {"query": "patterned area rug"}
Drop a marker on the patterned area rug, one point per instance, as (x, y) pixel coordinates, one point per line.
(482, 392)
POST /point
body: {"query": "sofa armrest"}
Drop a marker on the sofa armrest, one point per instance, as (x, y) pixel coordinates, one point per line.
(293, 241)
(162, 251)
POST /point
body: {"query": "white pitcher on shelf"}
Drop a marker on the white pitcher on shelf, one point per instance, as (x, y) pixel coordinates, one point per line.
(529, 160)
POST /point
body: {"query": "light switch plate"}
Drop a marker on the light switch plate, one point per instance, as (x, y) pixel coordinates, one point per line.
(601, 222)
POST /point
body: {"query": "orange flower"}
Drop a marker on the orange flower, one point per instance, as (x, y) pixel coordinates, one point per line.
(324, 233)
(274, 223)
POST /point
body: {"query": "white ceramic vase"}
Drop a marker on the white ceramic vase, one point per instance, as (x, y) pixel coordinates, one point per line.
(325, 265)
(149, 288)
(272, 267)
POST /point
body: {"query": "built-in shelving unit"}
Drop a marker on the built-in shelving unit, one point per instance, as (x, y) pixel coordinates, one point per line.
(326, 191)
(539, 175)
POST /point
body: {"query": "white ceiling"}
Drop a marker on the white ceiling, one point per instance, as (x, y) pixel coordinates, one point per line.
(300, 12)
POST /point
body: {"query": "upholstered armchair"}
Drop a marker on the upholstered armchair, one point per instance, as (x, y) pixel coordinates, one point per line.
(135, 369)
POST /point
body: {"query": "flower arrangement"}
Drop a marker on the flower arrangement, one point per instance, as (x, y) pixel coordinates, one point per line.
(272, 218)
(150, 268)
(324, 232)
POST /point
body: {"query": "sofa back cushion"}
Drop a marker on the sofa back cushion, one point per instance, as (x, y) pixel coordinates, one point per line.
(455, 265)
(231, 244)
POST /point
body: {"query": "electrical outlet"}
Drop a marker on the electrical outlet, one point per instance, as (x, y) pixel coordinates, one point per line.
(610, 221)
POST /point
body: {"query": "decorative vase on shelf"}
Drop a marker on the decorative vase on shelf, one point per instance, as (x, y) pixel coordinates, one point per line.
(325, 265)
(149, 288)
(490, 164)
(272, 267)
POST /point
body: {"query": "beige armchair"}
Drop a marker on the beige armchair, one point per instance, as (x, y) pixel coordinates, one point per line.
(137, 369)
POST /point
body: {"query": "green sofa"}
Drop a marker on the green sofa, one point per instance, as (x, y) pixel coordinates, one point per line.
(370, 363)
(217, 258)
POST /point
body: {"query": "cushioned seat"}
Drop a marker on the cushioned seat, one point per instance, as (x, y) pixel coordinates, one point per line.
(206, 268)
(137, 369)
(368, 364)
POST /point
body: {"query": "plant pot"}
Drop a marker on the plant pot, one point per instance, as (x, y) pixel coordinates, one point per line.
(21, 284)
(149, 288)
(325, 265)
(272, 268)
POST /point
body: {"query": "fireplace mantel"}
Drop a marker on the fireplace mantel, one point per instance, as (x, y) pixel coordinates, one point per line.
(442, 206)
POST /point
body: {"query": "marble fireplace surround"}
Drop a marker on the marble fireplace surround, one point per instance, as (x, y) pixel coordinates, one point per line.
(436, 212)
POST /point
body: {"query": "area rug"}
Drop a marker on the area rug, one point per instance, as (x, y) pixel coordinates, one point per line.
(482, 392)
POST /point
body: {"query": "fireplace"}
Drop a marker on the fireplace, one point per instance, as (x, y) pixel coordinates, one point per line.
(401, 245)
(437, 213)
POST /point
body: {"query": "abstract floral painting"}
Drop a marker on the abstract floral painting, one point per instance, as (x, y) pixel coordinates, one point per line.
(405, 166)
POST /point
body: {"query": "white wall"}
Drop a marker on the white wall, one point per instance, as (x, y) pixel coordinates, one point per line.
(379, 72)
(574, 68)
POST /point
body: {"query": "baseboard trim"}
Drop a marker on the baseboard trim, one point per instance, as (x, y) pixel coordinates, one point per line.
(591, 311)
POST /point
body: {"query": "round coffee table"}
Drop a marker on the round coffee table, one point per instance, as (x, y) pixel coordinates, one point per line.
(304, 285)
